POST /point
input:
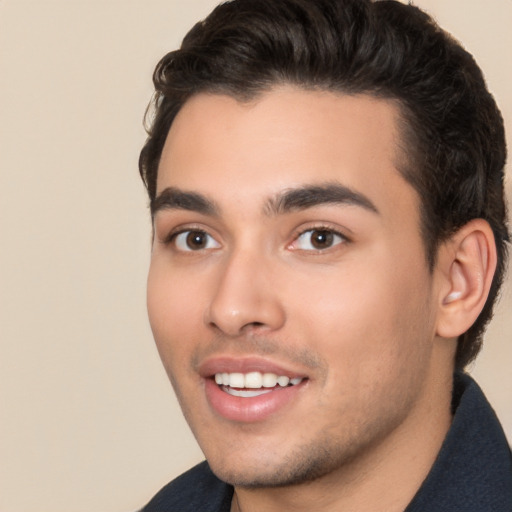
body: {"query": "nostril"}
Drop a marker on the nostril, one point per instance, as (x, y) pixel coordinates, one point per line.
(254, 327)
(233, 314)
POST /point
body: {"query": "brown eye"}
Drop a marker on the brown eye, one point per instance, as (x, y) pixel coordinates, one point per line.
(318, 240)
(321, 239)
(195, 240)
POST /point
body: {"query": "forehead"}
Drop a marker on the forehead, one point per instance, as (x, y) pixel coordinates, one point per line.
(284, 138)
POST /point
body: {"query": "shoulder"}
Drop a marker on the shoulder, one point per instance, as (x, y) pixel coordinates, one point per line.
(197, 490)
(473, 471)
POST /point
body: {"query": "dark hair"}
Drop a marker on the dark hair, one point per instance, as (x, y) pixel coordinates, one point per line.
(452, 132)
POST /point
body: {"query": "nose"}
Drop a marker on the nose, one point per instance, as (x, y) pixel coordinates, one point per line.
(246, 297)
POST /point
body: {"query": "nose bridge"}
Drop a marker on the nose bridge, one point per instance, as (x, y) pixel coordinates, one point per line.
(245, 295)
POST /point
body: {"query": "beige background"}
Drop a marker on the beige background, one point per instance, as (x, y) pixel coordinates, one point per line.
(87, 418)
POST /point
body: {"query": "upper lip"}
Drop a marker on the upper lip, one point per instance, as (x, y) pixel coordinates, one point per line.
(228, 364)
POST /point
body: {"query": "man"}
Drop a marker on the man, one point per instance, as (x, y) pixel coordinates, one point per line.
(326, 187)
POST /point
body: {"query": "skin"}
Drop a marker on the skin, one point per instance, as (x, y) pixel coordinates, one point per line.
(356, 314)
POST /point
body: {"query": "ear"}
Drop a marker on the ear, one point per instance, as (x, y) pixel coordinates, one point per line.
(466, 265)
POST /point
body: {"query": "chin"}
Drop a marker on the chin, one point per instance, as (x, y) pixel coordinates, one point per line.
(305, 465)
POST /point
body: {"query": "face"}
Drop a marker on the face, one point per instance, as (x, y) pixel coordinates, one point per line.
(288, 292)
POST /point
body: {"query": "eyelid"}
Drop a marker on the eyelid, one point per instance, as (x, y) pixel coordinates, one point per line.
(319, 227)
(170, 237)
(181, 245)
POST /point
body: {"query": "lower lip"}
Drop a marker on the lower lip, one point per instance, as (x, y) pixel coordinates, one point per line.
(249, 410)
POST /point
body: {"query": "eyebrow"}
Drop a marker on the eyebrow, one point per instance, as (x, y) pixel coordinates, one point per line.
(310, 196)
(172, 198)
(293, 199)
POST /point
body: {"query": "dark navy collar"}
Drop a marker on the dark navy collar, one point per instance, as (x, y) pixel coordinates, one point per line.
(473, 471)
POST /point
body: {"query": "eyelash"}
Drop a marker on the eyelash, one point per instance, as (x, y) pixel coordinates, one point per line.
(172, 237)
(343, 239)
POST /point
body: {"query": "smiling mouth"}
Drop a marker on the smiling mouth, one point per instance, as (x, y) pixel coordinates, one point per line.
(253, 384)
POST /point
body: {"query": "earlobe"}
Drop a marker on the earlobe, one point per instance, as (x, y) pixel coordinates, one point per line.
(469, 261)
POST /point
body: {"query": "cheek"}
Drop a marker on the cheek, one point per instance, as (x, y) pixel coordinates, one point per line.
(375, 334)
(174, 313)
(367, 319)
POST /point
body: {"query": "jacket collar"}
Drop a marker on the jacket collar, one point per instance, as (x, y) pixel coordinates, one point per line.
(473, 471)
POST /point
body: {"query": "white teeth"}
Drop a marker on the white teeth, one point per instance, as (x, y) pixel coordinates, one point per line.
(246, 393)
(237, 380)
(269, 380)
(283, 381)
(254, 380)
